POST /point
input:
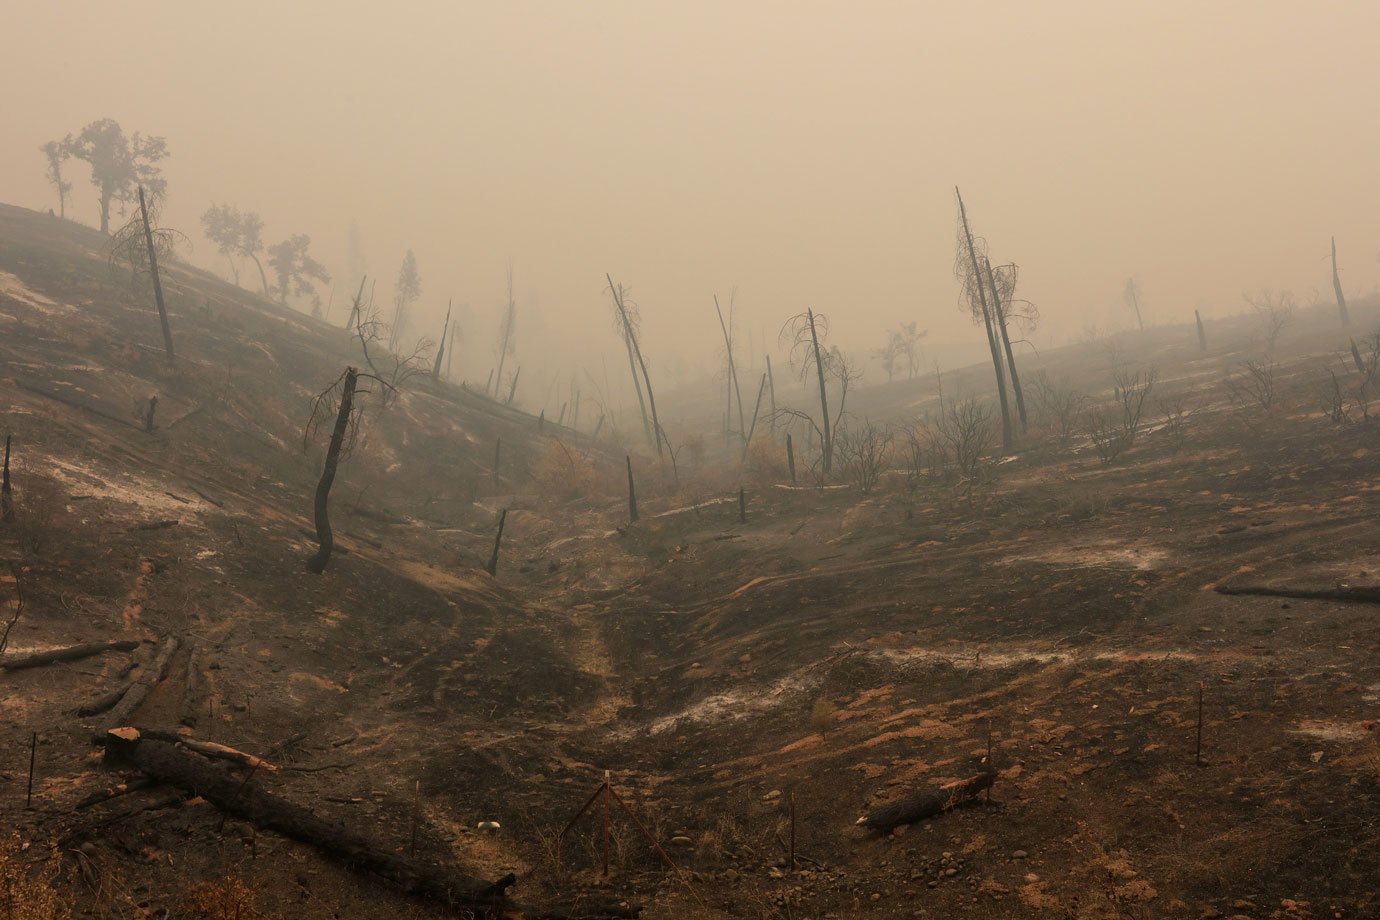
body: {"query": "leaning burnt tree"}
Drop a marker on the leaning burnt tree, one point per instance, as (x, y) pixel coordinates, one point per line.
(158, 282)
(340, 400)
(733, 388)
(1001, 281)
(1337, 287)
(139, 244)
(627, 314)
(970, 275)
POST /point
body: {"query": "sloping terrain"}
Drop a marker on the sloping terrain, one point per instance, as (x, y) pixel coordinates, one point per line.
(835, 649)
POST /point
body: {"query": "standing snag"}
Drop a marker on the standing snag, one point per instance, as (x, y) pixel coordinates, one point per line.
(632, 493)
(157, 282)
(492, 566)
(324, 535)
(6, 490)
(1131, 294)
(627, 313)
(804, 333)
(970, 277)
(1337, 287)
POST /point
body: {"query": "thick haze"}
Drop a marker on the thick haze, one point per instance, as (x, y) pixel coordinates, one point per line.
(804, 153)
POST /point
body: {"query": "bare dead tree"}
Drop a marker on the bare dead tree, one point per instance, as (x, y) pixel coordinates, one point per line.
(507, 331)
(1002, 284)
(345, 386)
(1177, 411)
(1060, 406)
(139, 244)
(626, 316)
(970, 278)
(863, 450)
(803, 333)
(1254, 385)
(1337, 287)
(966, 428)
(1131, 294)
(157, 281)
(756, 408)
(635, 346)
(727, 329)
(1274, 311)
(393, 370)
(1114, 432)
(441, 348)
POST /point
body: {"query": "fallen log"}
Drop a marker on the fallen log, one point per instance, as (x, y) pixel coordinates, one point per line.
(225, 752)
(191, 693)
(925, 803)
(1347, 593)
(149, 678)
(99, 704)
(70, 653)
(166, 763)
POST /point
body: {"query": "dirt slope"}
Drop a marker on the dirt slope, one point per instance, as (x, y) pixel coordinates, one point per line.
(835, 648)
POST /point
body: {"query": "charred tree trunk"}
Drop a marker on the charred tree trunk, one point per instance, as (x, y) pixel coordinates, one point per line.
(492, 567)
(628, 342)
(1337, 287)
(757, 407)
(166, 763)
(1006, 343)
(6, 491)
(826, 431)
(263, 278)
(657, 434)
(732, 369)
(512, 390)
(70, 653)
(632, 493)
(139, 691)
(790, 456)
(324, 535)
(771, 386)
(1202, 336)
(987, 321)
(356, 305)
(441, 349)
(925, 803)
(157, 281)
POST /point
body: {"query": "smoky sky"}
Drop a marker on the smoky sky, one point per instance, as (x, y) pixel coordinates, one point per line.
(802, 153)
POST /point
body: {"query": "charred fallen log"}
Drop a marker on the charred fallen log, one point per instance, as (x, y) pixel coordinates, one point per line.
(167, 763)
(139, 691)
(1361, 594)
(70, 653)
(925, 803)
